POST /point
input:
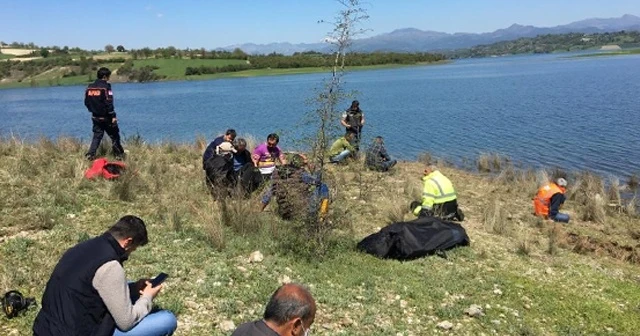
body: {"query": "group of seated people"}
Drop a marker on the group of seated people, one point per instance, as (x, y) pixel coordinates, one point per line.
(228, 163)
(376, 156)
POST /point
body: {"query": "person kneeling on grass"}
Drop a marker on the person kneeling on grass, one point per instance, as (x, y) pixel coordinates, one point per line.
(549, 200)
(290, 312)
(439, 198)
(88, 293)
(342, 148)
(377, 157)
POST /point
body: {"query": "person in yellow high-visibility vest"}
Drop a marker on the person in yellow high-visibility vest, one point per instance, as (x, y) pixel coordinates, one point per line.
(439, 198)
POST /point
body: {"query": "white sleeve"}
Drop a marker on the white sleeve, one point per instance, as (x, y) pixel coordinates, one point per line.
(111, 284)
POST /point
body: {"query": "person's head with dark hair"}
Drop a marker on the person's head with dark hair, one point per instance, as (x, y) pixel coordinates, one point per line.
(131, 232)
(291, 310)
(103, 73)
(349, 135)
(378, 139)
(355, 105)
(230, 135)
(272, 140)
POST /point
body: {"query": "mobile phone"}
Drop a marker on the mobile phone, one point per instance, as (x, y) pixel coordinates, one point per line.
(159, 279)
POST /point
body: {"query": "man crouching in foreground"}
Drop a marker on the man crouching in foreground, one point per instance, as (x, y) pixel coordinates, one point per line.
(290, 312)
(88, 293)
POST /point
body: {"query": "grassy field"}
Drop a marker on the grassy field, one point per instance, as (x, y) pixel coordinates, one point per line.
(175, 68)
(530, 277)
(5, 56)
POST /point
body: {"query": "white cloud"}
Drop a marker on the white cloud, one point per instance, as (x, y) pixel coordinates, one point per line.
(159, 15)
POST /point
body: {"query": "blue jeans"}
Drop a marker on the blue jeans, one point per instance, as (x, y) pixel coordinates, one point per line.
(159, 323)
(560, 217)
(340, 157)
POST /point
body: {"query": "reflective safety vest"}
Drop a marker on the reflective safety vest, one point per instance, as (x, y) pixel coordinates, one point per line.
(437, 189)
(543, 199)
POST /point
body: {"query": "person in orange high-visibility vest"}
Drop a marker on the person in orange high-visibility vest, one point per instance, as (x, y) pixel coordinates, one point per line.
(549, 199)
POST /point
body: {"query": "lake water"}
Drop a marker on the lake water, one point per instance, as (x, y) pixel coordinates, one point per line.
(539, 110)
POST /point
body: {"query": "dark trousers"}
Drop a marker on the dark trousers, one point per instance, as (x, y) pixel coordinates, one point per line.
(100, 126)
(357, 132)
(447, 211)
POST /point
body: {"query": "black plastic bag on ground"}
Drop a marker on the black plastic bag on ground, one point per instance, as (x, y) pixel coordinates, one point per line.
(414, 239)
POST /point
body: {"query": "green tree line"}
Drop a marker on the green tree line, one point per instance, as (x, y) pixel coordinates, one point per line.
(314, 59)
(543, 44)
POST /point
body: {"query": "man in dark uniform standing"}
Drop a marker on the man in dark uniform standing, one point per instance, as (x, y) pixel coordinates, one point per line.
(353, 121)
(98, 99)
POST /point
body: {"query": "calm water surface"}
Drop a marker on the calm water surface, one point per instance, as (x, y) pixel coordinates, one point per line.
(539, 110)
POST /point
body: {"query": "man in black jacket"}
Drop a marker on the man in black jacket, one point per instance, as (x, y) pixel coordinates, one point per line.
(98, 99)
(88, 293)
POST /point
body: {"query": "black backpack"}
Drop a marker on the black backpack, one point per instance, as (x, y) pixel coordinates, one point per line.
(14, 302)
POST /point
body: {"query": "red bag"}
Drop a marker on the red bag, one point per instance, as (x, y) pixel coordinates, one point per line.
(106, 169)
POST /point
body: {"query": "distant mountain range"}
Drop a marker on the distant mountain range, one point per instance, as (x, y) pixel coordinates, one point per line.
(416, 40)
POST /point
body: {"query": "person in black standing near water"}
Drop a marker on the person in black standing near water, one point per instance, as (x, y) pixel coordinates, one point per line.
(353, 120)
(98, 99)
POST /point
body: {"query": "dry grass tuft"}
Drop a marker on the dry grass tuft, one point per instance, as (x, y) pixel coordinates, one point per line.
(634, 181)
(492, 162)
(496, 219)
(589, 193)
(240, 214)
(556, 236)
(523, 247)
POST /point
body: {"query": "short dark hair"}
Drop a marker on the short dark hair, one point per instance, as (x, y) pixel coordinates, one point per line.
(103, 73)
(231, 132)
(130, 227)
(273, 136)
(355, 103)
(349, 132)
(284, 307)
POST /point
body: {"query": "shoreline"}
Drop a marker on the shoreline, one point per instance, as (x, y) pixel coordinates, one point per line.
(81, 80)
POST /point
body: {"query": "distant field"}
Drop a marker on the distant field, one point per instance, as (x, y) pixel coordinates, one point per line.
(106, 56)
(611, 53)
(5, 56)
(16, 52)
(174, 68)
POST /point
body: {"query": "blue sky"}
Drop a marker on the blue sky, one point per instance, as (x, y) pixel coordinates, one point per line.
(214, 23)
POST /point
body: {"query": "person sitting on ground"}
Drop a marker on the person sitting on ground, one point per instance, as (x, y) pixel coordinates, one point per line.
(290, 312)
(242, 156)
(353, 121)
(549, 200)
(342, 148)
(439, 198)
(266, 155)
(298, 192)
(88, 292)
(229, 136)
(377, 157)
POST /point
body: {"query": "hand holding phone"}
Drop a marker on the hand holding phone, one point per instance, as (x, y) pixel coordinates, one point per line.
(159, 279)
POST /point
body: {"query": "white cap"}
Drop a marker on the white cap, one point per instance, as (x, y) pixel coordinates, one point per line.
(561, 182)
(225, 148)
